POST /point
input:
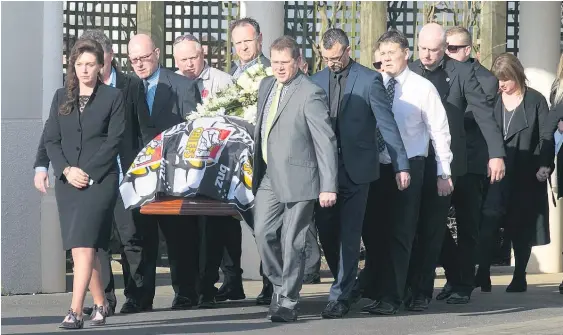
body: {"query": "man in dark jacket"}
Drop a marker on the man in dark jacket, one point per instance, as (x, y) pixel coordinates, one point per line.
(458, 259)
(461, 92)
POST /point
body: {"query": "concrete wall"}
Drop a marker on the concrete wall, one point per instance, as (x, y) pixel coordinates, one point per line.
(31, 55)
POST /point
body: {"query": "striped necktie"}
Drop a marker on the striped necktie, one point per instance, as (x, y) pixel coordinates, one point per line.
(390, 92)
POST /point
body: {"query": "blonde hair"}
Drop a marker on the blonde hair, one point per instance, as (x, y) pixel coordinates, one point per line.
(557, 87)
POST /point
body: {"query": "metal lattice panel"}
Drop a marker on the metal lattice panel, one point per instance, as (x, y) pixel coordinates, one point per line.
(208, 21)
(512, 10)
(307, 20)
(117, 19)
(404, 16)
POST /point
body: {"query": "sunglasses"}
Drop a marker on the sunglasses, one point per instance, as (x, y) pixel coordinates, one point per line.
(377, 65)
(455, 48)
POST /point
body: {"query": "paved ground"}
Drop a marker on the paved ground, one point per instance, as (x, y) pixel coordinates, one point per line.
(538, 311)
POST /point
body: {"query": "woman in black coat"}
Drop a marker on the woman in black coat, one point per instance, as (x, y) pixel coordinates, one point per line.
(82, 135)
(520, 200)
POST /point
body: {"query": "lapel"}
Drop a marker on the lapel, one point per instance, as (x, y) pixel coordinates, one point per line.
(162, 94)
(518, 122)
(322, 79)
(120, 81)
(352, 75)
(287, 96)
(267, 88)
(449, 67)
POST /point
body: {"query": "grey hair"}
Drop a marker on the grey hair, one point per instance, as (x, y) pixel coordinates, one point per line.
(99, 36)
(188, 38)
(333, 36)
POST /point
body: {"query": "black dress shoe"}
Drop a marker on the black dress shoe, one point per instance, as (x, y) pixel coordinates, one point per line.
(265, 297)
(419, 303)
(458, 299)
(518, 284)
(335, 309)
(367, 308)
(230, 291)
(130, 307)
(445, 293)
(146, 308)
(561, 288)
(383, 308)
(206, 301)
(284, 314)
(182, 303)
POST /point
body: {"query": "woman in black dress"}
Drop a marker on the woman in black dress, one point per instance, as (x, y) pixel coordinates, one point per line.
(82, 134)
(520, 200)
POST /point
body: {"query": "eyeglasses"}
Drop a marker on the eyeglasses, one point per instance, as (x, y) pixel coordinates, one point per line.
(185, 37)
(377, 65)
(454, 48)
(334, 60)
(141, 59)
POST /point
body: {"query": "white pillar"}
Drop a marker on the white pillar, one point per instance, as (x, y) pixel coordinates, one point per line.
(32, 256)
(539, 50)
(270, 16)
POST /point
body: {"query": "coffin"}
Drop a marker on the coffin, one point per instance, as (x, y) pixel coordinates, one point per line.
(169, 205)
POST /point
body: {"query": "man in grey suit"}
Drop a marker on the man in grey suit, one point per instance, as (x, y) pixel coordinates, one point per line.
(364, 125)
(294, 165)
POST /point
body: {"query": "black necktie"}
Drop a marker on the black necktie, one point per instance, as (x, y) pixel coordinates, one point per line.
(335, 100)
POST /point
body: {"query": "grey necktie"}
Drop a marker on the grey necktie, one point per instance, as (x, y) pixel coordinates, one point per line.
(390, 91)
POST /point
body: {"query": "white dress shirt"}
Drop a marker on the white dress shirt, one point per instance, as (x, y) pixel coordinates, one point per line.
(421, 117)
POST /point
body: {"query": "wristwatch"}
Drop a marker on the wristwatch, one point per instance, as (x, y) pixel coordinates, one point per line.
(445, 176)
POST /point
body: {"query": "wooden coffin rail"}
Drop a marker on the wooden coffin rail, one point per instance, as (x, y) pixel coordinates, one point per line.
(167, 205)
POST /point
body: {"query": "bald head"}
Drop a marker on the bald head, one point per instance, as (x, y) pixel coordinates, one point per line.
(143, 55)
(431, 45)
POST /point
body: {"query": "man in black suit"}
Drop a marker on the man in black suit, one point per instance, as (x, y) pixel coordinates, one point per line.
(125, 221)
(247, 40)
(460, 91)
(169, 98)
(359, 109)
(458, 259)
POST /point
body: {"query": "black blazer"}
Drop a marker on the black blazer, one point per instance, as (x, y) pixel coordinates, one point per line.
(129, 147)
(461, 92)
(175, 98)
(88, 140)
(364, 106)
(477, 155)
(263, 59)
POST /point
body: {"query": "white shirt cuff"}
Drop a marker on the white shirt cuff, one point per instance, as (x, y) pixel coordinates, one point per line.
(444, 168)
(40, 169)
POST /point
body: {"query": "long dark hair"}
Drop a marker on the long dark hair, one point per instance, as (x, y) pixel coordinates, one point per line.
(81, 46)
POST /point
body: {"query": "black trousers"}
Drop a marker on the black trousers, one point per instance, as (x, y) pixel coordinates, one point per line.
(401, 229)
(459, 259)
(374, 232)
(340, 233)
(218, 240)
(430, 233)
(182, 240)
(126, 223)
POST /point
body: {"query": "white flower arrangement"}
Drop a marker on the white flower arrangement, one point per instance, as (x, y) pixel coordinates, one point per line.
(238, 99)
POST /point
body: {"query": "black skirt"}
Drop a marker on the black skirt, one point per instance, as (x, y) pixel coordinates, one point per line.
(86, 215)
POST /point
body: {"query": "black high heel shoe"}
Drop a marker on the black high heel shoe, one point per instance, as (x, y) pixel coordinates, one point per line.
(74, 322)
(99, 310)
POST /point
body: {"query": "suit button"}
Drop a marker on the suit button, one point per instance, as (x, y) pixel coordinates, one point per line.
(78, 130)
(77, 148)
